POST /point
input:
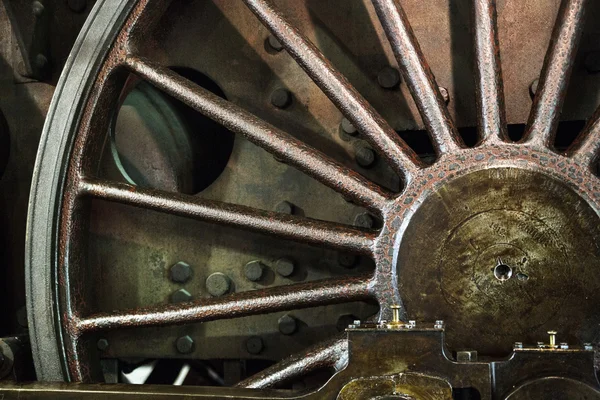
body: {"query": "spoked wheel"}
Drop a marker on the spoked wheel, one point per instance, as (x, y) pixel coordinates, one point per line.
(499, 240)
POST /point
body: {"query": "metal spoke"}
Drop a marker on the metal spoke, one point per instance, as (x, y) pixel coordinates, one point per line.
(586, 147)
(332, 353)
(292, 227)
(354, 107)
(489, 87)
(556, 72)
(280, 298)
(284, 146)
(418, 76)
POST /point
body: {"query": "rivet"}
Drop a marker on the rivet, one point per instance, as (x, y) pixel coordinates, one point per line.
(533, 87)
(102, 344)
(364, 156)
(287, 324)
(285, 207)
(254, 270)
(218, 284)
(348, 128)
(274, 43)
(284, 267)
(388, 77)
(254, 345)
(281, 98)
(364, 220)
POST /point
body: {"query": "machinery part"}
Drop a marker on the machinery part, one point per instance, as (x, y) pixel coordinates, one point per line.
(78, 122)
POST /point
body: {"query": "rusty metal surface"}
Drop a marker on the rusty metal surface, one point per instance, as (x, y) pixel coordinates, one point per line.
(423, 227)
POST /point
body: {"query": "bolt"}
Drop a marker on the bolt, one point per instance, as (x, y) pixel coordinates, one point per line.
(254, 270)
(77, 6)
(388, 78)
(180, 272)
(364, 156)
(285, 207)
(445, 94)
(254, 345)
(284, 267)
(364, 220)
(347, 260)
(185, 344)
(281, 98)
(181, 296)
(552, 338)
(274, 43)
(592, 62)
(533, 87)
(218, 284)
(287, 324)
(102, 344)
(348, 128)
(37, 8)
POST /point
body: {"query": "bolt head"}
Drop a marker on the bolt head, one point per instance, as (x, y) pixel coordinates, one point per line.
(364, 156)
(281, 98)
(102, 344)
(348, 128)
(284, 267)
(287, 324)
(254, 345)
(388, 77)
(180, 272)
(181, 296)
(285, 207)
(347, 260)
(185, 344)
(254, 270)
(218, 284)
(364, 220)
(592, 62)
(274, 43)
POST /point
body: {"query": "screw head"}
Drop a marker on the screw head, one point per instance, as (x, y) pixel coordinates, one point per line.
(254, 270)
(281, 98)
(347, 260)
(284, 267)
(287, 324)
(388, 77)
(218, 284)
(348, 128)
(102, 344)
(254, 345)
(364, 156)
(181, 272)
(445, 94)
(344, 321)
(77, 6)
(274, 43)
(592, 62)
(364, 220)
(185, 344)
(285, 207)
(181, 296)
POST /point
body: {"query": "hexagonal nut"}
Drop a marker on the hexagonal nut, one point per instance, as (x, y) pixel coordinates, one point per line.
(185, 344)
(181, 296)
(180, 272)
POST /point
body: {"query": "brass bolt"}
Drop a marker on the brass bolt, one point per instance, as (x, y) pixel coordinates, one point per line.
(552, 338)
(395, 322)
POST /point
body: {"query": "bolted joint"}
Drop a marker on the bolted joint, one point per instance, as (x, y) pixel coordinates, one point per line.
(180, 272)
(181, 296)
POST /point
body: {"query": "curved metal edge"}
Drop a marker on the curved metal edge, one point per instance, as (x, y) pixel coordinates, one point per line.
(90, 49)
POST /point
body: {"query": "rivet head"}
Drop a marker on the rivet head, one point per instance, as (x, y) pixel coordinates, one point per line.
(180, 272)
(185, 344)
(102, 344)
(533, 87)
(281, 98)
(254, 270)
(284, 267)
(348, 128)
(388, 77)
(284, 207)
(364, 156)
(364, 220)
(274, 43)
(254, 345)
(218, 284)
